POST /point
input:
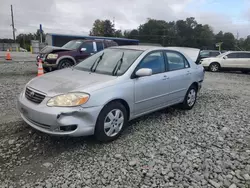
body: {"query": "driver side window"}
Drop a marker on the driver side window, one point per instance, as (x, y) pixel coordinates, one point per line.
(88, 46)
(154, 61)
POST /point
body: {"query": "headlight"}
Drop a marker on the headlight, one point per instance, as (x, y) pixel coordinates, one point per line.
(70, 99)
(52, 56)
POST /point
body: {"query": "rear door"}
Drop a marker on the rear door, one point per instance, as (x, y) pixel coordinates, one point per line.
(179, 75)
(244, 60)
(99, 46)
(83, 54)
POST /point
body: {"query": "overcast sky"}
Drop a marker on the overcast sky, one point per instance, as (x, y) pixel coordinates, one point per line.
(77, 16)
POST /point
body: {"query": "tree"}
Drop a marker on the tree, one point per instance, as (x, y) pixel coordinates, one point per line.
(228, 41)
(103, 28)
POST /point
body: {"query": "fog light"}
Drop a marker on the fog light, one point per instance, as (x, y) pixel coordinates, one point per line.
(68, 128)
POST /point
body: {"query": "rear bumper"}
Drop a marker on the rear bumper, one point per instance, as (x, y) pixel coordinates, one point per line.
(59, 121)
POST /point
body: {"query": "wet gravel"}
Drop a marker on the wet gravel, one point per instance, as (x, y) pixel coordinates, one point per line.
(208, 146)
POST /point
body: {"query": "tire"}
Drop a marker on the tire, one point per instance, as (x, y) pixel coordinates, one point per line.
(190, 98)
(114, 125)
(64, 63)
(48, 69)
(214, 67)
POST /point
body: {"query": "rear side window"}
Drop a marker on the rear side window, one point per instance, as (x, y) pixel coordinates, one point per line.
(109, 44)
(244, 55)
(99, 46)
(88, 46)
(176, 61)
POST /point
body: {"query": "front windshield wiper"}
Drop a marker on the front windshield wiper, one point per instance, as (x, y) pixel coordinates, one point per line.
(118, 65)
(97, 61)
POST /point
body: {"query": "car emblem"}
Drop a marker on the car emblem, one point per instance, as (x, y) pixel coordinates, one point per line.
(32, 93)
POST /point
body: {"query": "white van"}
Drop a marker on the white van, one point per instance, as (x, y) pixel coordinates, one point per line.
(231, 60)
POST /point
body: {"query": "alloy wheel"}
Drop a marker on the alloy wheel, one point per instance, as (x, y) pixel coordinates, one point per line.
(191, 97)
(113, 122)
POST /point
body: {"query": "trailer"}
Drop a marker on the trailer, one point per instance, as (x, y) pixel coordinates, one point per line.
(54, 39)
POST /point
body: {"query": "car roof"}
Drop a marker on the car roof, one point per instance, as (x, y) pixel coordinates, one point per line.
(238, 51)
(137, 47)
(192, 53)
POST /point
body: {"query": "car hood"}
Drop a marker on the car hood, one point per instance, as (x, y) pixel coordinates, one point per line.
(67, 80)
(52, 49)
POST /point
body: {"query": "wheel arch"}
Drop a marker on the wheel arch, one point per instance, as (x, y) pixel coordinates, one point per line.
(215, 62)
(123, 102)
(66, 57)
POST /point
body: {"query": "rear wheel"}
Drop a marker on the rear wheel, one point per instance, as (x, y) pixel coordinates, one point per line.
(190, 98)
(214, 67)
(111, 121)
(64, 63)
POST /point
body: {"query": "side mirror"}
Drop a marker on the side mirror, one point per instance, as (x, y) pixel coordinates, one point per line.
(225, 57)
(143, 72)
(83, 49)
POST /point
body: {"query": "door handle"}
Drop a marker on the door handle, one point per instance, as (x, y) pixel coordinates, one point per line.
(188, 72)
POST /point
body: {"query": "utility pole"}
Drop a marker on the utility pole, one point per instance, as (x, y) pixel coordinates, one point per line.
(13, 26)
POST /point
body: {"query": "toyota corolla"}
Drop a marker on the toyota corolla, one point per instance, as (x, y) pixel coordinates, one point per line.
(102, 93)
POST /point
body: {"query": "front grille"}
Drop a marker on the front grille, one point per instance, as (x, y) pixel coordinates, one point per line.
(34, 96)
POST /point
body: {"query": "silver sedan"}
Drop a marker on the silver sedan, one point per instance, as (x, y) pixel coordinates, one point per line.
(102, 93)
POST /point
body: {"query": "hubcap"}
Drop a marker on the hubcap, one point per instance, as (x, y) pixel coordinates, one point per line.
(66, 64)
(191, 97)
(113, 122)
(214, 68)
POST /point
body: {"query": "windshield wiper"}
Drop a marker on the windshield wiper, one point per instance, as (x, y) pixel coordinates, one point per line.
(118, 65)
(98, 61)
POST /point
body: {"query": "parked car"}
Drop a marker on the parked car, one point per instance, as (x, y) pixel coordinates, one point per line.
(207, 53)
(102, 93)
(232, 60)
(71, 53)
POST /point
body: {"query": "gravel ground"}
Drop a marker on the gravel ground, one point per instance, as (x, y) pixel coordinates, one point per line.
(208, 146)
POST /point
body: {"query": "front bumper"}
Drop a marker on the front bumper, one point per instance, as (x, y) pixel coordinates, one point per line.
(57, 120)
(51, 64)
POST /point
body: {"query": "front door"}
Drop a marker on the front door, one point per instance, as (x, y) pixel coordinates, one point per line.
(151, 91)
(230, 61)
(85, 50)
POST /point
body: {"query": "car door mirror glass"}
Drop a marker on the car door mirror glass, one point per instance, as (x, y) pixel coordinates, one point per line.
(83, 49)
(225, 57)
(144, 72)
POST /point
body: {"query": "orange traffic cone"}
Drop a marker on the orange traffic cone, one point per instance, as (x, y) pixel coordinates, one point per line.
(8, 57)
(40, 71)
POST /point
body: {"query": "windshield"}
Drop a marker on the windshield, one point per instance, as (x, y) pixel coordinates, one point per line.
(204, 53)
(109, 59)
(74, 44)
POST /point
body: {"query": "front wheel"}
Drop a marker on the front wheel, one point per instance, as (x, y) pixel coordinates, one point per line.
(214, 67)
(64, 63)
(111, 121)
(190, 98)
